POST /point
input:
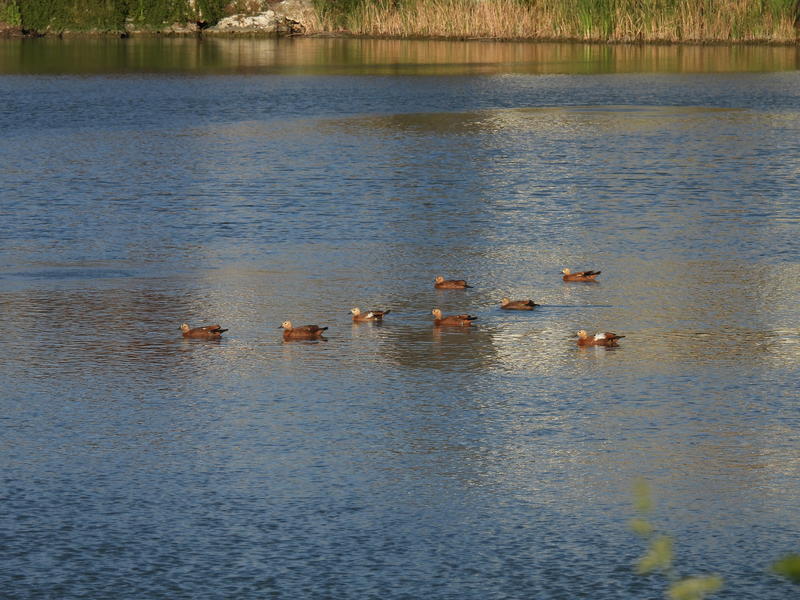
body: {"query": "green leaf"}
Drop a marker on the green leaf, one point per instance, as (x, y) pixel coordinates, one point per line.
(789, 567)
(642, 498)
(641, 527)
(658, 557)
(694, 588)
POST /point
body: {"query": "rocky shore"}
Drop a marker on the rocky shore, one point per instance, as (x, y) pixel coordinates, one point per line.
(288, 17)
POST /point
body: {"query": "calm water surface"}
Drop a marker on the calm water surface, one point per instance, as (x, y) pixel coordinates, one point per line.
(144, 183)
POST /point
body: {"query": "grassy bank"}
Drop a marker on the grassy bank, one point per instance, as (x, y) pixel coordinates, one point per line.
(587, 20)
(774, 21)
(56, 16)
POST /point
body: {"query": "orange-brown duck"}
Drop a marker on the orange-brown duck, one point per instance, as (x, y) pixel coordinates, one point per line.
(456, 320)
(507, 304)
(370, 316)
(580, 275)
(440, 283)
(598, 339)
(207, 332)
(305, 332)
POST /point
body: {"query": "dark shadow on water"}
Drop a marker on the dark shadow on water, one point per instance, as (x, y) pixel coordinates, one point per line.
(576, 306)
(201, 341)
(72, 274)
(305, 342)
(597, 348)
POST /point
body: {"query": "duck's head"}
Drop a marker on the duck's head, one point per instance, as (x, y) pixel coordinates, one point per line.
(439, 279)
(286, 325)
(184, 327)
(437, 314)
(355, 311)
(505, 300)
(582, 334)
(566, 271)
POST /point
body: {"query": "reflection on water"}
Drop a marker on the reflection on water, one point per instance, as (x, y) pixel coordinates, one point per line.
(396, 459)
(377, 57)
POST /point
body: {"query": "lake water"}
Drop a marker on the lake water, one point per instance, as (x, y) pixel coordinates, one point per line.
(148, 182)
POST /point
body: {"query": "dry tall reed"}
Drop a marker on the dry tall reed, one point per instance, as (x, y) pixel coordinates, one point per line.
(585, 20)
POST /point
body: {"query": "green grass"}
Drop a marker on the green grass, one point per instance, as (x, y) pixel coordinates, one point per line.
(56, 16)
(9, 13)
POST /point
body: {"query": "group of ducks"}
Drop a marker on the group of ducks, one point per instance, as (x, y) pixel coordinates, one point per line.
(312, 332)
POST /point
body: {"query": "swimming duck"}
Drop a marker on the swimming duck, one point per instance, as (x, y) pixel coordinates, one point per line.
(457, 320)
(208, 332)
(440, 283)
(598, 339)
(580, 275)
(371, 316)
(307, 332)
(507, 304)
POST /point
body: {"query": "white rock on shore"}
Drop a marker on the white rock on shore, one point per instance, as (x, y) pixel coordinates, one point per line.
(265, 21)
(290, 16)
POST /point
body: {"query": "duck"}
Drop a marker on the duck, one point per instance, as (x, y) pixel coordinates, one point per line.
(507, 304)
(305, 332)
(371, 316)
(207, 332)
(440, 283)
(456, 320)
(580, 275)
(598, 339)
